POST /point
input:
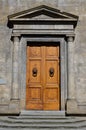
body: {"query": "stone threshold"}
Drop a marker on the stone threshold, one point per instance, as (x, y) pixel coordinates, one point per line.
(38, 113)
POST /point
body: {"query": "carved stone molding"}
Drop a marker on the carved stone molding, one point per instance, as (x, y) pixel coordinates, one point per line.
(70, 39)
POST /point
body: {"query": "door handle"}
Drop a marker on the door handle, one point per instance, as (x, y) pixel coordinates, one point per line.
(51, 72)
(34, 72)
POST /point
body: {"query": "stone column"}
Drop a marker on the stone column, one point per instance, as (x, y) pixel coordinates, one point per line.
(71, 99)
(15, 80)
(71, 83)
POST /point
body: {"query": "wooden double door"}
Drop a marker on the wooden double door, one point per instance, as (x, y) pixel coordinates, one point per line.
(42, 77)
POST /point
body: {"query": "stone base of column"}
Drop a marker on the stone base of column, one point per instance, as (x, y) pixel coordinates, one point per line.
(71, 106)
(12, 108)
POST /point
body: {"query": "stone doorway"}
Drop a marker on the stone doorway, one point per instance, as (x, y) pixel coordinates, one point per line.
(44, 24)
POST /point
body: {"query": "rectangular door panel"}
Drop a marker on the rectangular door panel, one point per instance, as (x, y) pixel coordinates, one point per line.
(51, 95)
(52, 71)
(35, 93)
(34, 51)
(51, 100)
(51, 88)
(35, 71)
(52, 51)
(34, 97)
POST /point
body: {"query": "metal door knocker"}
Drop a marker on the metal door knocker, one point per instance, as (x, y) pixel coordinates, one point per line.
(34, 72)
(51, 72)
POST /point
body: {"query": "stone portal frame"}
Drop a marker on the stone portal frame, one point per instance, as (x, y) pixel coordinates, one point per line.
(63, 66)
(66, 66)
(46, 24)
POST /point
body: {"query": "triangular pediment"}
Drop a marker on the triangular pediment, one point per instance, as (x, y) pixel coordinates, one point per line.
(42, 12)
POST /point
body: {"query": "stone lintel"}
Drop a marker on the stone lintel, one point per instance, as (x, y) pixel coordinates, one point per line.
(43, 26)
(42, 32)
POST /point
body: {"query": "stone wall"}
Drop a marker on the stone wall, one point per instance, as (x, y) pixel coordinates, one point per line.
(77, 7)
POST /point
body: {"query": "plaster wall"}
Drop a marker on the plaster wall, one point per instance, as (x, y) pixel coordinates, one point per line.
(7, 7)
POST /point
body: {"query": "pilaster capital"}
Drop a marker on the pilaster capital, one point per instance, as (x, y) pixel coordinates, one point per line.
(70, 38)
(16, 38)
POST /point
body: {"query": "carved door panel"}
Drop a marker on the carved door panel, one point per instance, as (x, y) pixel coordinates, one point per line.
(34, 89)
(42, 78)
(51, 87)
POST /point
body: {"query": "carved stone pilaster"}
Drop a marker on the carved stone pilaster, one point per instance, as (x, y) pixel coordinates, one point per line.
(15, 81)
(71, 84)
(71, 97)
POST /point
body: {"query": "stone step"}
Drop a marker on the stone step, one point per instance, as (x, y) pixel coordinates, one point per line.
(59, 128)
(43, 125)
(42, 113)
(42, 120)
(50, 122)
(40, 117)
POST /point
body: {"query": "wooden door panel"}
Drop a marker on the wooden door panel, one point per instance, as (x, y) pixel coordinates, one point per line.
(35, 93)
(49, 65)
(52, 51)
(51, 90)
(51, 94)
(34, 97)
(51, 98)
(34, 87)
(35, 64)
(34, 51)
(42, 91)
